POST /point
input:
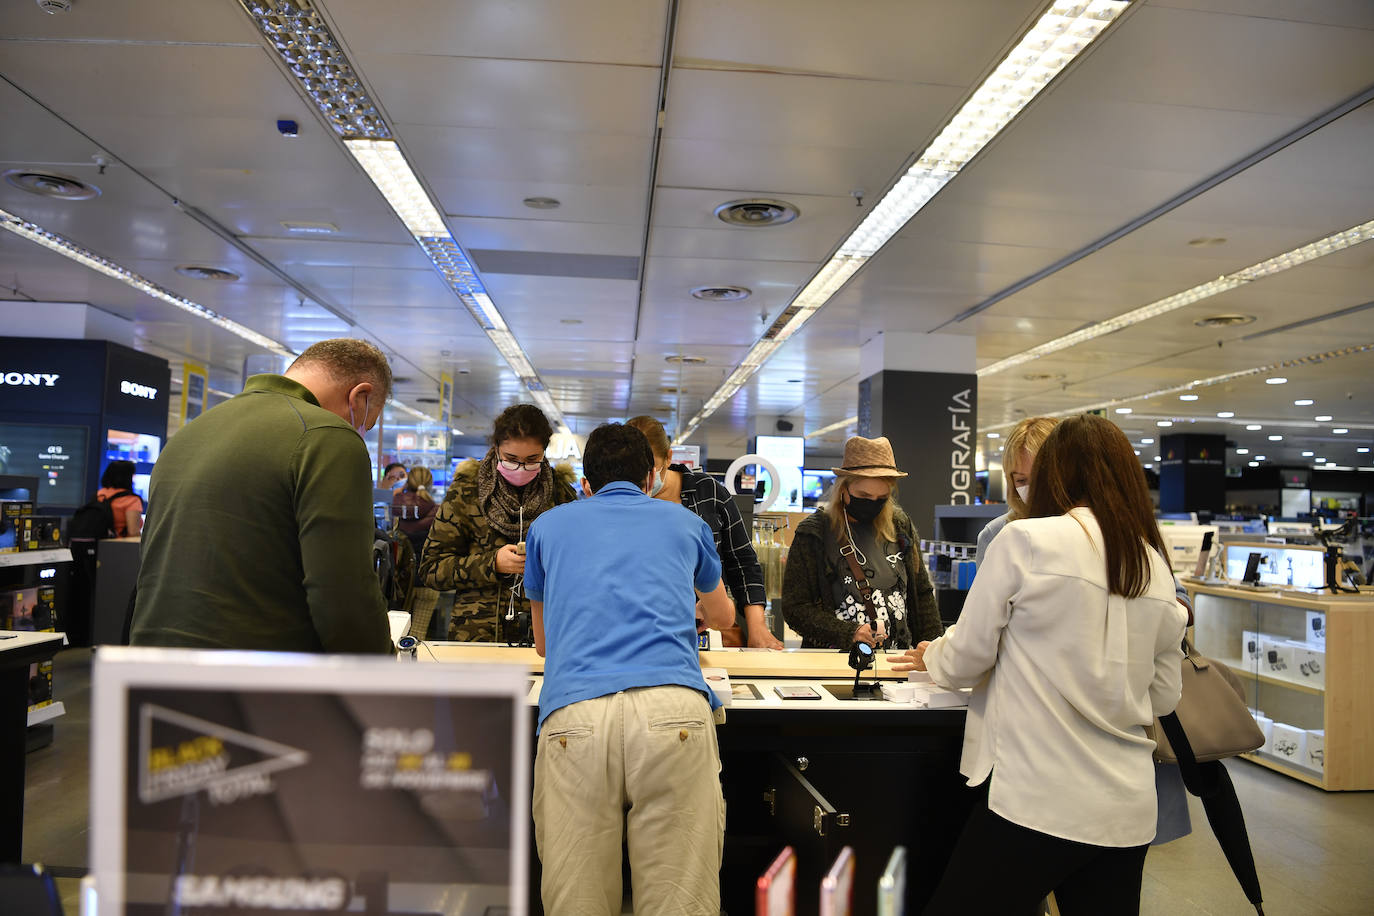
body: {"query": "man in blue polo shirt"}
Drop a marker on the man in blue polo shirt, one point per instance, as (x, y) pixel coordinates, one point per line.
(627, 741)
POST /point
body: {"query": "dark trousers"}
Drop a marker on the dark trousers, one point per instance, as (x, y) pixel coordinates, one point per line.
(1003, 868)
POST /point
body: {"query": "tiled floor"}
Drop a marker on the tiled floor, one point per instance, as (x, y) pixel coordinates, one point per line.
(1312, 848)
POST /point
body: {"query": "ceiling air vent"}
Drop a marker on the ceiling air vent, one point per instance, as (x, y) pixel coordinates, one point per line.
(756, 212)
(1223, 321)
(201, 272)
(51, 184)
(1044, 376)
(721, 293)
(686, 360)
(427, 400)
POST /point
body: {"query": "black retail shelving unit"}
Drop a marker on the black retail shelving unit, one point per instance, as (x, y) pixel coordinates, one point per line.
(960, 524)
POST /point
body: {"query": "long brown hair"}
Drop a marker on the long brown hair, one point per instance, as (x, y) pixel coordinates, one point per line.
(883, 525)
(1087, 461)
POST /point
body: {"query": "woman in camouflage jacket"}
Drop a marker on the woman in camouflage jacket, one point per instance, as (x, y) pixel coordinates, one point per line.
(472, 546)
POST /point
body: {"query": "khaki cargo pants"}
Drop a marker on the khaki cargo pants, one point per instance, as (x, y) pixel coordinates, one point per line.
(643, 765)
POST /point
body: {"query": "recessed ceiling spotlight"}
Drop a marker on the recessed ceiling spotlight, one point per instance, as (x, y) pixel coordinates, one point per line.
(1276, 438)
(1164, 423)
(1226, 414)
(1147, 441)
(1276, 380)
(756, 212)
(51, 184)
(1187, 397)
(1363, 449)
(1242, 451)
(1324, 418)
(201, 272)
(1156, 457)
(1253, 427)
(1137, 451)
(685, 360)
(1339, 432)
(1123, 410)
(1259, 457)
(542, 203)
(721, 293)
(1303, 402)
(1224, 321)
(1148, 465)
(1319, 458)
(1308, 454)
(994, 435)
(1254, 464)
(1206, 241)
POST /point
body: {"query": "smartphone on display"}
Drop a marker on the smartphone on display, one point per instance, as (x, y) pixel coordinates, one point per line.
(892, 885)
(837, 887)
(1201, 569)
(1252, 574)
(775, 890)
(797, 693)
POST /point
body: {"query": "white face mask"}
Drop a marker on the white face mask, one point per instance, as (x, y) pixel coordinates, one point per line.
(658, 482)
(1023, 491)
(359, 428)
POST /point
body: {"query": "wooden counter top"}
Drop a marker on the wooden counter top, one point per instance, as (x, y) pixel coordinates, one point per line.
(803, 664)
(1310, 600)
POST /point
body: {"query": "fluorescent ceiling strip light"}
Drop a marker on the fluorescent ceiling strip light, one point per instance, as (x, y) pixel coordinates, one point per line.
(87, 258)
(1309, 360)
(406, 408)
(310, 52)
(1058, 37)
(1267, 268)
(843, 424)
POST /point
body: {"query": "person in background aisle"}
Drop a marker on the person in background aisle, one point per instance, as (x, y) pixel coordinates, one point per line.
(1070, 639)
(860, 525)
(475, 544)
(1022, 444)
(284, 564)
(127, 509)
(627, 742)
(1018, 456)
(707, 498)
(415, 507)
(394, 477)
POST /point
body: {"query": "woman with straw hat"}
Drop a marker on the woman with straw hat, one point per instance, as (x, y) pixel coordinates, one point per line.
(854, 571)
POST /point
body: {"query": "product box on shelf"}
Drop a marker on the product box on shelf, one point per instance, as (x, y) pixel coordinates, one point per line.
(1316, 627)
(40, 684)
(1266, 726)
(41, 532)
(12, 515)
(1249, 646)
(1276, 656)
(1289, 743)
(1309, 662)
(28, 608)
(1316, 749)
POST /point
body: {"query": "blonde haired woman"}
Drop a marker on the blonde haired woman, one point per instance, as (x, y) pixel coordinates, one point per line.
(1018, 456)
(862, 541)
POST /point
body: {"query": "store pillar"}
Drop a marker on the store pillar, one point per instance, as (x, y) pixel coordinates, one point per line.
(921, 392)
(1192, 473)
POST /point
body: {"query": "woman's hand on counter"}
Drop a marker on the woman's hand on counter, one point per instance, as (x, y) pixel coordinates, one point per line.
(509, 561)
(759, 635)
(911, 659)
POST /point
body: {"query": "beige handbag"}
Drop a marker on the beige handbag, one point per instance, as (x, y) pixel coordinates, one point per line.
(1215, 721)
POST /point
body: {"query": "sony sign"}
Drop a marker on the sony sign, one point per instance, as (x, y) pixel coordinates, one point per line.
(133, 389)
(35, 379)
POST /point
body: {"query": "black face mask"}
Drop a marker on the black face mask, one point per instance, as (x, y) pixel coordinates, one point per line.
(864, 510)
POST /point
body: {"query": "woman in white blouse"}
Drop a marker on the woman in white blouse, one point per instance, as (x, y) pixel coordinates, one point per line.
(1070, 638)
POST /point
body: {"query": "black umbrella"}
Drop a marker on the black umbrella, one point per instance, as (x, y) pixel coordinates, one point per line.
(1210, 782)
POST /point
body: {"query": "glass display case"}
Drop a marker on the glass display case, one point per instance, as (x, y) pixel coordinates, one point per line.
(1302, 658)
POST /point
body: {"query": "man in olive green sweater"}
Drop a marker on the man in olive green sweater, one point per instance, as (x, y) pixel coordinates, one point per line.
(259, 528)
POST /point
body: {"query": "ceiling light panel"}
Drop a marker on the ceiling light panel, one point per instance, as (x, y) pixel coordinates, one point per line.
(1059, 36)
(69, 249)
(1318, 249)
(313, 56)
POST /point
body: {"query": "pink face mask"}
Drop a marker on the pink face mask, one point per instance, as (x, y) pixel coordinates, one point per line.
(518, 478)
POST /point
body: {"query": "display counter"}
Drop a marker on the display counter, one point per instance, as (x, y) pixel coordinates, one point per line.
(18, 651)
(1303, 657)
(815, 774)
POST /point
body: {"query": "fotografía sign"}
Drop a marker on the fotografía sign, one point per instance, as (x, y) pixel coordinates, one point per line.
(295, 784)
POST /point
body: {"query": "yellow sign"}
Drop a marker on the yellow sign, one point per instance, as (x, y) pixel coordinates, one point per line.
(446, 400)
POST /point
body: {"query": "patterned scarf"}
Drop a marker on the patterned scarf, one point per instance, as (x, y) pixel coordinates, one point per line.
(502, 503)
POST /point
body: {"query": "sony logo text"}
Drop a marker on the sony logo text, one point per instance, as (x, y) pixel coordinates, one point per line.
(37, 379)
(138, 391)
(961, 453)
